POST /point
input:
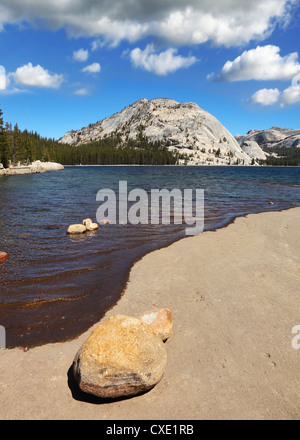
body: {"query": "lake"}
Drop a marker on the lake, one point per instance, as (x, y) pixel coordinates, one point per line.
(55, 286)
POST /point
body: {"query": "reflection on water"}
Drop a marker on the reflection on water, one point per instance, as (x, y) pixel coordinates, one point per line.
(55, 286)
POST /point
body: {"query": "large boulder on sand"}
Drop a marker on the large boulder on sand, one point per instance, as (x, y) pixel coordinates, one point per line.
(122, 357)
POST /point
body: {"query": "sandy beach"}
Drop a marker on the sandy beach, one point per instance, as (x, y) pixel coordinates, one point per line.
(235, 298)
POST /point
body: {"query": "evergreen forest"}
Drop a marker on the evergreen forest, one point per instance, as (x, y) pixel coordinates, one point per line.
(24, 147)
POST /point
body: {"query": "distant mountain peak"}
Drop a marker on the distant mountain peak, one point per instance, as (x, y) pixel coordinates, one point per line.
(274, 137)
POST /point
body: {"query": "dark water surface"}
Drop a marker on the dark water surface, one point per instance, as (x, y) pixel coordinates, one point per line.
(55, 286)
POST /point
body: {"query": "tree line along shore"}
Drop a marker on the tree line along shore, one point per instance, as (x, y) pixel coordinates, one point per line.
(24, 147)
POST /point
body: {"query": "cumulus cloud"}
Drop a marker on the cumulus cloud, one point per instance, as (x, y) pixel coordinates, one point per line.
(261, 63)
(266, 97)
(36, 76)
(160, 63)
(92, 68)
(3, 81)
(290, 96)
(81, 55)
(229, 23)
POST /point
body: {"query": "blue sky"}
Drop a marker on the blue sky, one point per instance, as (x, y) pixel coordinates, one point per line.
(67, 63)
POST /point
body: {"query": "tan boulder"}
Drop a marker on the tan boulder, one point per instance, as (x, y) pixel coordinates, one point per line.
(90, 226)
(160, 321)
(122, 357)
(76, 229)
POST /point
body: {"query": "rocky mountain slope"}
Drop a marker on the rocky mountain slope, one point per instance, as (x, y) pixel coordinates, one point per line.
(274, 137)
(252, 149)
(184, 127)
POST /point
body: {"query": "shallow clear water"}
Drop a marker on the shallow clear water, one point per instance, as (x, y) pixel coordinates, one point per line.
(55, 286)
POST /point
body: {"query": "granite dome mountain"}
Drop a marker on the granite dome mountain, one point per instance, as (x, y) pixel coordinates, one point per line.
(274, 137)
(184, 127)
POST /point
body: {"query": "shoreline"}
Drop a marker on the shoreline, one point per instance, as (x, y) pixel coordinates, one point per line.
(216, 354)
(127, 278)
(182, 165)
(33, 168)
(44, 168)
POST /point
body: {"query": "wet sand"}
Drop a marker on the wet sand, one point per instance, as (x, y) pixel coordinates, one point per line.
(235, 298)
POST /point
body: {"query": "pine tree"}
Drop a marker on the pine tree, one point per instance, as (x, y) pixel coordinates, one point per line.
(27, 147)
(18, 155)
(3, 143)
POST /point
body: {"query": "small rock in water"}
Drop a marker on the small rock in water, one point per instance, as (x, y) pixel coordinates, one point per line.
(3, 256)
(76, 229)
(122, 357)
(90, 226)
(161, 322)
(26, 235)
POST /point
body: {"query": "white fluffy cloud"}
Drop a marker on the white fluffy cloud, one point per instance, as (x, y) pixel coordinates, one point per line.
(266, 97)
(92, 68)
(229, 23)
(3, 81)
(36, 76)
(261, 63)
(290, 96)
(81, 55)
(160, 63)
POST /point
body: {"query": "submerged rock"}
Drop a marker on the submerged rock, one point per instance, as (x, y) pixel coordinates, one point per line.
(122, 357)
(76, 229)
(3, 256)
(90, 226)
